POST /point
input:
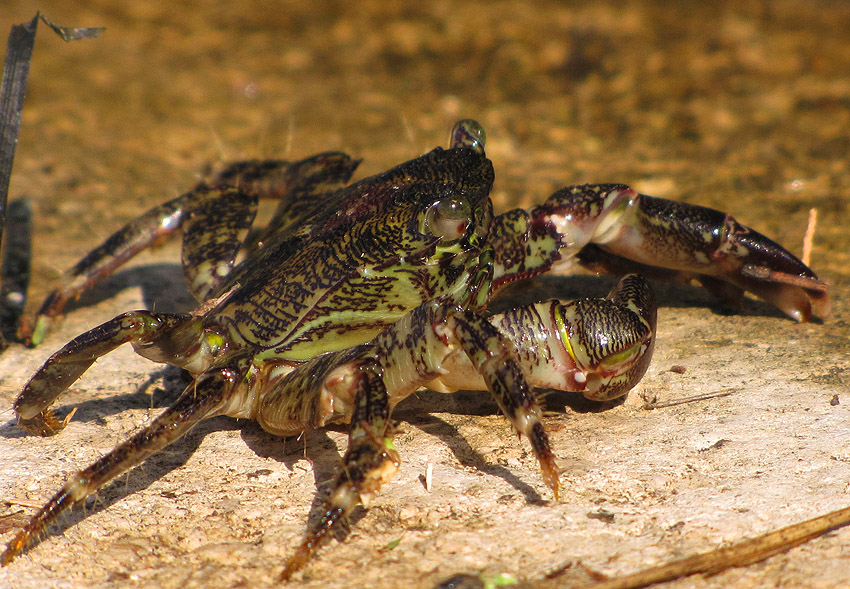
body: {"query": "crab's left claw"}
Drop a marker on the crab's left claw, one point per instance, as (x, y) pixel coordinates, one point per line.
(607, 226)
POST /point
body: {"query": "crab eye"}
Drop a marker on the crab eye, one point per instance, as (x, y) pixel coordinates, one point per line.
(448, 218)
(468, 133)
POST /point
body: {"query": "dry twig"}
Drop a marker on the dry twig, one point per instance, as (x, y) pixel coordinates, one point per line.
(743, 553)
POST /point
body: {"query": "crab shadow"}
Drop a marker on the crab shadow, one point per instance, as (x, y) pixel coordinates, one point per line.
(319, 449)
(164, 289)
(147, 395)
(667, 295)
(162, 285)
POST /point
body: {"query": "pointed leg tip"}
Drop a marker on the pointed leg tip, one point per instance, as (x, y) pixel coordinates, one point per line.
(296, 562)
(288, 570)
(34, 332)
(551, 480)
(44, 424)
(13, 549)
(821, 304)
(550, 475)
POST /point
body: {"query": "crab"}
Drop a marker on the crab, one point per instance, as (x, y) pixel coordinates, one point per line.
(353, 297)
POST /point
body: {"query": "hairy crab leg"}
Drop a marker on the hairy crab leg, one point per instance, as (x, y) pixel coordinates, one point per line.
(176, 339)
(690, 240)
(218, 220)
(226, 203)
(370, 460)
(206, 397)
(494, 357)
(571, 348)
(153, 227)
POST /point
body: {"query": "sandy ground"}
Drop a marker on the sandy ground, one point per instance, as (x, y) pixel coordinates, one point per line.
(742, 109)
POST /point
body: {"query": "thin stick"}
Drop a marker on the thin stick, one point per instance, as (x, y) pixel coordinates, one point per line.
(429, 472)
(743, 553)
(683, 400)
(23, 503)
(810, 235)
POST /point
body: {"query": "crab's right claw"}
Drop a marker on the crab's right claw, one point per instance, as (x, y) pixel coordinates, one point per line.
(684, 241)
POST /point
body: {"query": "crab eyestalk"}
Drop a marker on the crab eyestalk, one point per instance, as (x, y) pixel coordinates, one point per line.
(468, 133)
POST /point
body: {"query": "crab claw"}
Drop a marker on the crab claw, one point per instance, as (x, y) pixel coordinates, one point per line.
(678, 241)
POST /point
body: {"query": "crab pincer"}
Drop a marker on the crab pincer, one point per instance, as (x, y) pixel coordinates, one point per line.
(689, 241)
(611, 228)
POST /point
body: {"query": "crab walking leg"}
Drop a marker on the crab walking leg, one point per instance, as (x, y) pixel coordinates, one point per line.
(155, 226)
(218, 220)
(215, 216)
(221, 214)
(494, 357)
(688, 240)
(600, 347)
(370, 460)
(205, 398)
(177, 339)
(400, 360)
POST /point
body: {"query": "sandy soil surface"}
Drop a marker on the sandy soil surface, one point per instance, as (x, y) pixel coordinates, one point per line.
(745, 109)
